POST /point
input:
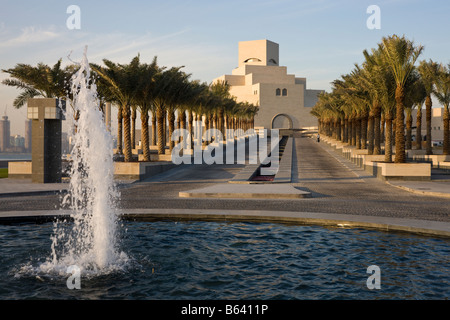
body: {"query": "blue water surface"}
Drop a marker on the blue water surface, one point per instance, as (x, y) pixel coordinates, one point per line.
(219, 260)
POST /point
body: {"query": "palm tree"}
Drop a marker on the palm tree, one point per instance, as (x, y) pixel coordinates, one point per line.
(386, 86)
(175, 97)
(143, 99)
(428, 71)
(222, 90)
(415, 96)
(372, 78)
(400, 55)
(122, 83)
(420, 99)
(40, 81)
(163, 102)
(442, 94)
(358, 99)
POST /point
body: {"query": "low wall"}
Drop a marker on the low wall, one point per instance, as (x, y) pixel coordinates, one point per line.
(399, 171)
(122, 170)
(19, 170)
(140, 170)
(434, 159)
(156, 157)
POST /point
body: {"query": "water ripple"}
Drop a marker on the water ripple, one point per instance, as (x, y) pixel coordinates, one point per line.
(201, 260)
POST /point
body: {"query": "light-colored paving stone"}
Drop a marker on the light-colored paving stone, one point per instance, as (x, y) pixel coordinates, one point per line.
(247, 191)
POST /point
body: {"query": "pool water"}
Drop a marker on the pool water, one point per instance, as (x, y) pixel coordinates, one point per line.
(233, 261)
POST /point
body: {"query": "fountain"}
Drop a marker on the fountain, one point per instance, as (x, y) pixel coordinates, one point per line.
(91, 242)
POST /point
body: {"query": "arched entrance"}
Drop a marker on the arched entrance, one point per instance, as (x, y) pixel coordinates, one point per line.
(282, 121)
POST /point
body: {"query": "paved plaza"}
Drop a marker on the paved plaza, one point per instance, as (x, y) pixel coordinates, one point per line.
(336, 189)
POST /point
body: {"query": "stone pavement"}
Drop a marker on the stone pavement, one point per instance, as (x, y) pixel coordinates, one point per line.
(340, 193)
(22, 187)
(439, 186)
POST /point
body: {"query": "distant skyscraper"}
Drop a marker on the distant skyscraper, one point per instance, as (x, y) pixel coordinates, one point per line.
(5, 133)
(28, 135)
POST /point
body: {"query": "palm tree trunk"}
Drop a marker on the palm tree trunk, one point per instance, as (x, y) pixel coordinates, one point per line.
(171, 119)
(221, 122)
(144, 136)
(119, 131)
(164, 129)
(205, 142)
(358, 133)
(446, 117)
(178, 127)
(182, 115)
(211, 124)
(126, 113)
(133, 127)
(377, 131)
(370, 134)
(160, 124)
(400, 156)
(338, 129)
(408, 142)
(345, 130)
(353, 132)
(388, 142)
(419, 128)
(364, 122)
(191, 129)
(428, 105)
(154, 128)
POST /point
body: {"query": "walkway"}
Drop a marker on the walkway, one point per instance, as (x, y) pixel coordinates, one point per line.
(337, 188)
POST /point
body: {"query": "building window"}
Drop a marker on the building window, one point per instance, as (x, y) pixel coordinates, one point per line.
(285, 92)
(252, 60)
(278, 92)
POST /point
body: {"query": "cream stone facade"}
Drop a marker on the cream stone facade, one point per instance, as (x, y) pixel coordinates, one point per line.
(437, 125)
(283, 99)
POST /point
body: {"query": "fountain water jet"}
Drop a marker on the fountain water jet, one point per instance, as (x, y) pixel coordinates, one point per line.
(91, 241)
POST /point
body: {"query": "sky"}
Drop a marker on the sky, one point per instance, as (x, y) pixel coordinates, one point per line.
(318, 39)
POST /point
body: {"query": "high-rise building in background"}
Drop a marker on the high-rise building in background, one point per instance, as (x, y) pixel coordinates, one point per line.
(28, 135)
(5, 133)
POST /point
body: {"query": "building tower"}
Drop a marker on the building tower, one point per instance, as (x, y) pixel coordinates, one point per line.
(283, 99)
(5, 133)
(28, 135)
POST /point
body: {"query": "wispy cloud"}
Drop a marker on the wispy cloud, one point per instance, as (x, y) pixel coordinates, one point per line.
(28, 35)
(122, 45)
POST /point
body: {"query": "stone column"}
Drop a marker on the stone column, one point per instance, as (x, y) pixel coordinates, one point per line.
(108, 115)
(46, 129)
